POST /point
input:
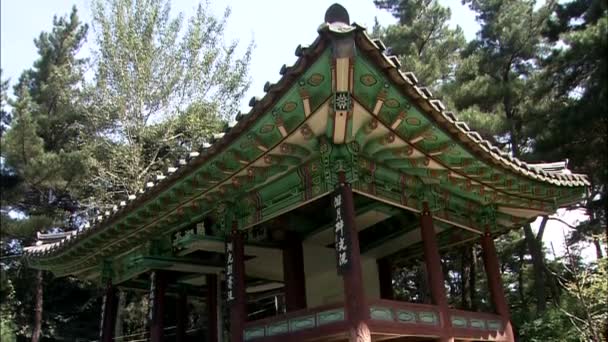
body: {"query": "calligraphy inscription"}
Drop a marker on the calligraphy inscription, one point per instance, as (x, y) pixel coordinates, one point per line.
(229, 272)
(341, 231)
(151, 296)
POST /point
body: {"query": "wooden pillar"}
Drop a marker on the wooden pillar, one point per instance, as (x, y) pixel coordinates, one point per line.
(181, 317)
(385, 277)
(434, 271)
(492, 268)
(212, 309)
(109, 306)
(237, 299)
(293, 273)
(158, 287)
(357, 311)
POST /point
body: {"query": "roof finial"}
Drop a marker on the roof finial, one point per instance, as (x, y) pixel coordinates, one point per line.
(337, 13)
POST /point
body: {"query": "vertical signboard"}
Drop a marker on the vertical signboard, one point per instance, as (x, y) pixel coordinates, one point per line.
(342, 230)
(229, 272)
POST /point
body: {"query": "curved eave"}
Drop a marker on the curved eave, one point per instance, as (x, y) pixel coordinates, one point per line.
(407, 84)
(459, 130)
(260, 107)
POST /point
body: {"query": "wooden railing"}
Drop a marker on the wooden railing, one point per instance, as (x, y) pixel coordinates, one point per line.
(389, 316)
(385, 317)
(403, 312)
(476, 320)
(307, 320)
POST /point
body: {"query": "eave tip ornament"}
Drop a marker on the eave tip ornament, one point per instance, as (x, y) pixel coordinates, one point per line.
(336, 13)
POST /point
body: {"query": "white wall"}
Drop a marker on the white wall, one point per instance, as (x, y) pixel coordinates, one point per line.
(324, 285)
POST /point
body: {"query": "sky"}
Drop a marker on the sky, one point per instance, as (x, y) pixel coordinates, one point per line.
(275, 26)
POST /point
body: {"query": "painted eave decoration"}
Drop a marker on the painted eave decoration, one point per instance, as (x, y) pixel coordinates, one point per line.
(402, 137)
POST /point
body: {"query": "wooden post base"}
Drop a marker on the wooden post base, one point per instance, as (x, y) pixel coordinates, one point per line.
(509, 334)
(360, 333)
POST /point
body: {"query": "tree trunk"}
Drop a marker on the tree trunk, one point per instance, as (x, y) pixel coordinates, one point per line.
(520, 281)
(464, 278)
(553, 285)
(118, 327)
(598, 249)
(36, 332)
(472, 278)
(538, 267)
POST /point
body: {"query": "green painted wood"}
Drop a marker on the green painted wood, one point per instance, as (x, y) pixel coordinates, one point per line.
(428, 318)
(477, 323)
(277, 328)
(494, 325)
(381, 313)
(294, 174)
(330, 316)
(459, 321)
(405, 316)
(302, 323)
(254, 332)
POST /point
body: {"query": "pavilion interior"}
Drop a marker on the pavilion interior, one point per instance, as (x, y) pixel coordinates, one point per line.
(385, 232)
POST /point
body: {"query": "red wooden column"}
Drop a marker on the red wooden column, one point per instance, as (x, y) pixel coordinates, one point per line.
(158, 287)
(293, 273)
(434, 271)
(492, 268)
(357, 311)
(385, 277)
(236, 299)
(181, 317)
(109, 307)
(212, 309)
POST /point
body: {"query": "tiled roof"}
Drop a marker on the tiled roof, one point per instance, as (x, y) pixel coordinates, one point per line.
(551, 173)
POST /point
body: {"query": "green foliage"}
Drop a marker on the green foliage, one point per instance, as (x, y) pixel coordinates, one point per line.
(56, 81)
(498, 70)
(582, 312)
(422, 39)
(533, 82)
(43, 171)
(160, 89)
(572, 122)
(5, 115)
(7, 300)
(551, 326)
(25, 152)
(6, 330)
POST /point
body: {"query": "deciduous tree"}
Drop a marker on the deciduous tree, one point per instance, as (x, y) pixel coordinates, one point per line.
(159, 90)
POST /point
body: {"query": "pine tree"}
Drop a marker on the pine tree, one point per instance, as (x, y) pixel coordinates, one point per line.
(43, 172)
(55, 86)
(422, 39)
(576, 98)
(23, 152)
(494, 88)
(56, 80)
(5, 116)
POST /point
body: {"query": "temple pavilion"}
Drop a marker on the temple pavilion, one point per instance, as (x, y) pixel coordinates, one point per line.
(344, 163)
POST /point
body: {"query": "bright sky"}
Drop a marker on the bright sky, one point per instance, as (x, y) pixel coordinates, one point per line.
(276, 26)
